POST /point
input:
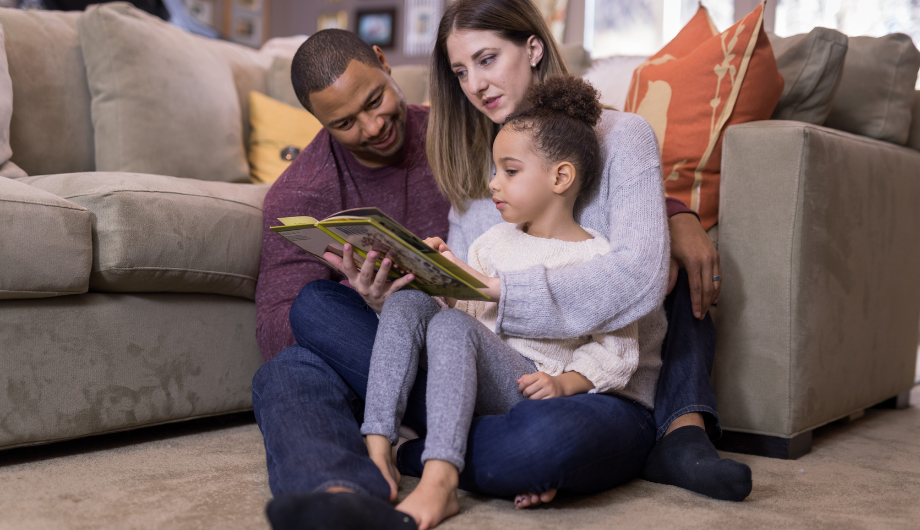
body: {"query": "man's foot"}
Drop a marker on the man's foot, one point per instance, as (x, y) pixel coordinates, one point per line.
(435, 497)
(335, 511)
(527, 500)
(687, 459)
(381, 453)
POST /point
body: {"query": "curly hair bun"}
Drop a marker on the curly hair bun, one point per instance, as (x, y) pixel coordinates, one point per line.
(569, 95)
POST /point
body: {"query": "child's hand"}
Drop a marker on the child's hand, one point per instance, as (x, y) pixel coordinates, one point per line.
(539, 385)
(438, 244)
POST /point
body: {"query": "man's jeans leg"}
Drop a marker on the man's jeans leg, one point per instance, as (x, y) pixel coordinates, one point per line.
(309, 400)
(685, 383)
(307, 416)
(335, 323)
(585, 443)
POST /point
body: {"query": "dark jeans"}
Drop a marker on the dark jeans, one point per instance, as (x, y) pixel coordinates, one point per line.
(309, 404)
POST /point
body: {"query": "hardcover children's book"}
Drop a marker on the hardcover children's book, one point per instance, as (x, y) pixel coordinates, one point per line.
(369, 229)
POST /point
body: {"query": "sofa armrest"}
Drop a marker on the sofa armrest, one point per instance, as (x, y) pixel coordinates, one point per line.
(820, 253)
(46, 245)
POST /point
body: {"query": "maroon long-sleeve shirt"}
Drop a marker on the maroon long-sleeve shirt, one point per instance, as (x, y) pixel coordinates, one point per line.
(326, 179)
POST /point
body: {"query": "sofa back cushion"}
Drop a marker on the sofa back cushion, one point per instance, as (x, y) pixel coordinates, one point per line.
(163, 101)
(250, 74)
(51, 130)
(913, 140)
(877, 90)
(811, 64)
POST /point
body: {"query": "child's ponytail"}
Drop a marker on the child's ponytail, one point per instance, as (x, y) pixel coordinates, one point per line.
(561, 121)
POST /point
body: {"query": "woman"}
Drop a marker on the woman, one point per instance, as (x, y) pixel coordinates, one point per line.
(487, 54)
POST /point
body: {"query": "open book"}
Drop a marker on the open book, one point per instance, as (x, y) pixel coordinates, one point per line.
(369, 229)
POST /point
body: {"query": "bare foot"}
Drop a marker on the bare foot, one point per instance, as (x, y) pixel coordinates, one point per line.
(380, 451)
(339, 489)
(435, 497)
(528, 500)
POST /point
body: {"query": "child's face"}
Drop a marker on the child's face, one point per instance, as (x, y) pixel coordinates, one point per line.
(523, 185)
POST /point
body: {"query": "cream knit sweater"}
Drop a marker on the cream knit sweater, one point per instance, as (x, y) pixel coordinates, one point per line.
(608, 360)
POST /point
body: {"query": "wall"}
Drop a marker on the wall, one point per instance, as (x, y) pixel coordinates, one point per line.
(296, 17)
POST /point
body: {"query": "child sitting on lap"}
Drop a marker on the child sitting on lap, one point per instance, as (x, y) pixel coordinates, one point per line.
(543, 156)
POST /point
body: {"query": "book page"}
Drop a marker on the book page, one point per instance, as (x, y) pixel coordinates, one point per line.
(369, 238)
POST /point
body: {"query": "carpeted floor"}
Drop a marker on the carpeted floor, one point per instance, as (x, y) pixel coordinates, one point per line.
(211, 474)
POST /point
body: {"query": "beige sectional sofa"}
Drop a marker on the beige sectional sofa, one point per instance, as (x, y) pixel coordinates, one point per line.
(126, 296)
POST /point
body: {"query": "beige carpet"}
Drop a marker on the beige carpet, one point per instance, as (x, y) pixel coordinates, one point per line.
(210, 474)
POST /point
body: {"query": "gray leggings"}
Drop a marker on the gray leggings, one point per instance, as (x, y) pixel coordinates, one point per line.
(470, 370)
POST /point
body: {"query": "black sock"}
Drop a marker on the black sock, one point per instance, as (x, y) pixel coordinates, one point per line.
(687, 459)
(335, 511)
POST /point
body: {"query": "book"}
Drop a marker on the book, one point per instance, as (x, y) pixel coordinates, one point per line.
(369, 229)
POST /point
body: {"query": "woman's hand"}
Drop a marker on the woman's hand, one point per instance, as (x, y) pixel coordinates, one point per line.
(692, 249)
(539, 385)
(374, 289)
(492, 285)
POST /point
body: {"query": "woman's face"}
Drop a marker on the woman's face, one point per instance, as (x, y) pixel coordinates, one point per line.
(494, 73)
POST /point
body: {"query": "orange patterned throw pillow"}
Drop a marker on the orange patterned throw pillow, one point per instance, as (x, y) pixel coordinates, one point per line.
(697, 85)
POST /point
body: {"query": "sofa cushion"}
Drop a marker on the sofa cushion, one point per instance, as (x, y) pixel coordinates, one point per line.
(164, 101)
(877, 90)
(412, 79)
(46, 243)
(811, 64)
(279, 82)
(275, 127)
(250, 71)
(49, 92)
(913, 139)
(164, 234)
(692, 89)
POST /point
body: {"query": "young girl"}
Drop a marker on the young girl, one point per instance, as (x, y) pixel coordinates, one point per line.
(544, 156)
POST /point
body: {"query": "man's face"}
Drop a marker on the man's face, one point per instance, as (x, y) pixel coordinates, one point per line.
(364, 111)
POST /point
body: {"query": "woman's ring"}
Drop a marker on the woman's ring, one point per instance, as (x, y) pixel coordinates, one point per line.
(716, 278)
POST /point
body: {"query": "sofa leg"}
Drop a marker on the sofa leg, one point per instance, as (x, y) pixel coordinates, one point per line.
(901, 401)
(762, 445)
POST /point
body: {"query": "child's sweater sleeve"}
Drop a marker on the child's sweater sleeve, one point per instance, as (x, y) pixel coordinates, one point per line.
(475, 259)
(609, 359)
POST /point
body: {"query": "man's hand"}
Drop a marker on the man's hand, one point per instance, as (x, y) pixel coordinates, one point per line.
(492, 285)
(692, 249)
(374, 289)
(539, 385)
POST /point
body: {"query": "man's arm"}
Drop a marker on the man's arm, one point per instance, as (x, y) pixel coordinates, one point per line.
(692, 249)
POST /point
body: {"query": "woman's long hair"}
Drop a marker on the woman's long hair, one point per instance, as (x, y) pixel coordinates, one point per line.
(459, 143)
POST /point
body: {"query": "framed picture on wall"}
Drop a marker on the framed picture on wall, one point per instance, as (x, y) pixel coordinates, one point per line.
(246, 21)
(337, 20)
(376, 27)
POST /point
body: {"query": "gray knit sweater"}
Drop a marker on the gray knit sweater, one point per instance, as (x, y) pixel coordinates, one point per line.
(627, 207)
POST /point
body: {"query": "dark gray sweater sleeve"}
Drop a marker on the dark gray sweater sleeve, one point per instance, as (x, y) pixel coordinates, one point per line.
(632, 277)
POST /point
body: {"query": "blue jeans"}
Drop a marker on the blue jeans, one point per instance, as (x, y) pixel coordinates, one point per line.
(685, 383)
(309, 404)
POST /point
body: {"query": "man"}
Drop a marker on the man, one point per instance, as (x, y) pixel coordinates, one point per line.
(308, 398)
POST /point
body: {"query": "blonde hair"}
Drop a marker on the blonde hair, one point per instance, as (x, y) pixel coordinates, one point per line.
(459, 143)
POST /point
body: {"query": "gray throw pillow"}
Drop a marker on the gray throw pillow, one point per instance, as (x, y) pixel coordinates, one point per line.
(164, 101)
(811, 64)
(877, 90)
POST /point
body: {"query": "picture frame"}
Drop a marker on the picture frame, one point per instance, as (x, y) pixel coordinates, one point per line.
(336, 20)
(377, 27)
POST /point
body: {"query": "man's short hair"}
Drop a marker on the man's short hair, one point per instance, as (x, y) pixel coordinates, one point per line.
(324, 57)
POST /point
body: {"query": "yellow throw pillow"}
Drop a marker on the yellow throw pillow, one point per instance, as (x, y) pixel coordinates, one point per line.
(276, 126)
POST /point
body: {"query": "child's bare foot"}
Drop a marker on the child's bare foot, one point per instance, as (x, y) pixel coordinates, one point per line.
(435, 497)
(528, 500)
(380, 451)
